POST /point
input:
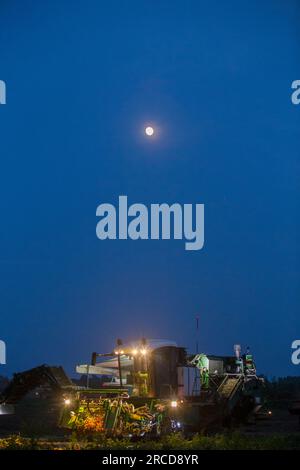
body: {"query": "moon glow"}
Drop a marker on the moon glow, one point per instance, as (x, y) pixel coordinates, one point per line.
(149, 131)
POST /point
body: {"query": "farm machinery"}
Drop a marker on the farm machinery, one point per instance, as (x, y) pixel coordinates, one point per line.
(148, 387)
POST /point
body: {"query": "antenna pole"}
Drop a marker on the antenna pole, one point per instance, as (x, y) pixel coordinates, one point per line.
(197, 334)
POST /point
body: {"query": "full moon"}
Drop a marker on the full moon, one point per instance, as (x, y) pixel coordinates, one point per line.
(149, 131)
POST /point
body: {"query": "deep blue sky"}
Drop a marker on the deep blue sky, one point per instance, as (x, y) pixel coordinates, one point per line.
(82, 79)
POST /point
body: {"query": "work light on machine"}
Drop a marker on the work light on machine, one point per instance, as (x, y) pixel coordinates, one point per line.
(117, 352)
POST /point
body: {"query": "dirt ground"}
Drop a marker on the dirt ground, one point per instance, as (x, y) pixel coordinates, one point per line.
(280, 422)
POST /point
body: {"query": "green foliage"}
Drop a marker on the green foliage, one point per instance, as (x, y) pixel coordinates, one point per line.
(228, 441)
(16, 442)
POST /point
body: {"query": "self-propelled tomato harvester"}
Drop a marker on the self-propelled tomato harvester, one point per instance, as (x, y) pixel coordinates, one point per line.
(148, 387)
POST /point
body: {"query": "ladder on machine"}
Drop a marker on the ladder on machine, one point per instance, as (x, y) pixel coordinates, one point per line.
(196, 383)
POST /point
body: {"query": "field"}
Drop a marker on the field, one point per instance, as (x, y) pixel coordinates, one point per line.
(234, 441)
(281, 431)
(278, 430)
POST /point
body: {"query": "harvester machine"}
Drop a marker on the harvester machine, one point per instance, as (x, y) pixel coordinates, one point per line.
(143, 388)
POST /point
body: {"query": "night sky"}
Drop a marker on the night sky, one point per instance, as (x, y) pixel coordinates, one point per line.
(83, 78)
